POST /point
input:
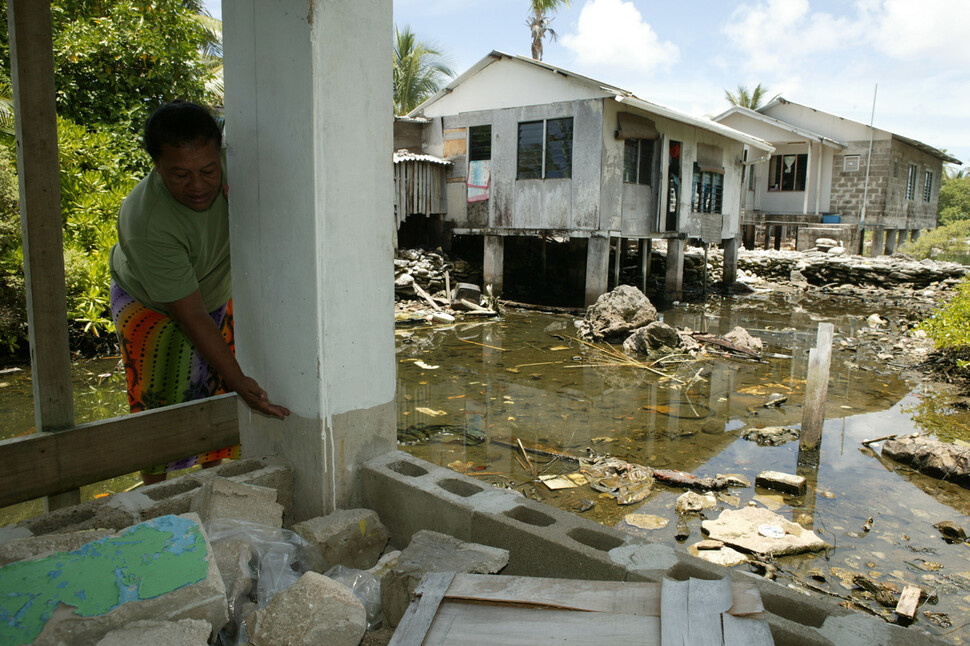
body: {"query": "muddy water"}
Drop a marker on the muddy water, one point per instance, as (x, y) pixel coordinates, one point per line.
(467, 391)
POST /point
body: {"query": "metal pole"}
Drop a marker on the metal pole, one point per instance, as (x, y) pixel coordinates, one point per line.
(865, 190)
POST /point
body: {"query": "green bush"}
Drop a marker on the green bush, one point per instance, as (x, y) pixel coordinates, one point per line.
(954, 200)
(952, 239)
(949, 326)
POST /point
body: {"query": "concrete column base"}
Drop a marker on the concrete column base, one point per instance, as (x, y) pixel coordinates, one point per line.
(597, 268)
(730, 271)
(646, 253)
(901, 237)
(494, 263)
(878, 241)
(674, 283)
(890, 242)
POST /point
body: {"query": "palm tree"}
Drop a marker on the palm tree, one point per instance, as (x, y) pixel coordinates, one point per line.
(419, 70)
(745, 99)
(538, 22)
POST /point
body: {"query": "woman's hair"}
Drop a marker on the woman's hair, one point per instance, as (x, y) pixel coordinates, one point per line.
(179, 123)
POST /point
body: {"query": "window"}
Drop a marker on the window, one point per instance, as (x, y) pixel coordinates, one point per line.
(911, 182)
(479, 143)
(787, 173)
(927, 186)
(545, 149)
(708, 191)
(850, 163)
(637, 161)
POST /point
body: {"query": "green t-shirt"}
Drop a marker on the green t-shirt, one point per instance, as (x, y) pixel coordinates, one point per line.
(166, 250)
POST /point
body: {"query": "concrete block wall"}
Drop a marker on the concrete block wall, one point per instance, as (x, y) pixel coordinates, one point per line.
(122, 510)
(914, 213)
(849, 187)
(410, 494)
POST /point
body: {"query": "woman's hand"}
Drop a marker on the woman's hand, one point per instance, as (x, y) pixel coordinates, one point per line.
(256, 398)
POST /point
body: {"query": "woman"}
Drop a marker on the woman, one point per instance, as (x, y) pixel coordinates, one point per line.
(171, 291)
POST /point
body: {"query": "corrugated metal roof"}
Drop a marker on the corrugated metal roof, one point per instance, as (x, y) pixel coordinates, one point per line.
(778, 123)
(405, 155)
(621, 95)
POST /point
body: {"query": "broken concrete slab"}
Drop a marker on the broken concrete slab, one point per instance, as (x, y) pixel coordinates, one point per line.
(185, 632)
(233, 556)
(932, 457)
(771, 435)
(724, 555)
(434, 552)
(27, 548)
(652, 337)
(743, 339)
(351, 537)
(691, 502)
(314, 610)
(223, 498)
(759, 531)
(784, 482)
(161, 569)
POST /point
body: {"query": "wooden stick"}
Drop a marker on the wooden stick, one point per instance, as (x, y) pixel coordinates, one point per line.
(447, 285)
(525, 455)
(866, 443)
(423, 294)
(492, 347)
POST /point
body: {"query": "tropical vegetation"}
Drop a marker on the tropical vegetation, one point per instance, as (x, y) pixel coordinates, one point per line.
(115, 61)
(539, 22)
(420, 70)
(751, 99)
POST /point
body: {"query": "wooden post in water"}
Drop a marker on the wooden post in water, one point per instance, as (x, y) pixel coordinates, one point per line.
(816, 387)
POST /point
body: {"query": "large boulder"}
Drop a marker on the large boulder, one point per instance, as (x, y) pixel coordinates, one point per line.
(652, 337)
(616, 314)
(932, 457)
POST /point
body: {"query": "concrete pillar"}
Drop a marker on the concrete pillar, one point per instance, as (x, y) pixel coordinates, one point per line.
(901, 238)
(493, 263)
(32, 77)
(878, 241)
(748, 238)
(730, 255)
(890, 242)
(646, 253)
(597, 267)
(617, 261)
(674, 283)
(308, 97)
(914, 235)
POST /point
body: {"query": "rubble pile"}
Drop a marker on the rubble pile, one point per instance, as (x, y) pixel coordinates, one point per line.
(427, 269)
(818, 268)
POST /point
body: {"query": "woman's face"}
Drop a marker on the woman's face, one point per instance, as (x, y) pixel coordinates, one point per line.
(192, 173)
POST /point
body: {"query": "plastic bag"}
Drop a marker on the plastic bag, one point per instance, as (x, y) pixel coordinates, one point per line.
(277, 560)
(365, 587)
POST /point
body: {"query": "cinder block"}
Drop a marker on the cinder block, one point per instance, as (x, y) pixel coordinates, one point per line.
(93, 514)
(27, 548)
(162, 569)
(314, 610)
(351, 537)
(222, 498)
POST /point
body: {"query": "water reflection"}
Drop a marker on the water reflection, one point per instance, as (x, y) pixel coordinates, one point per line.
(524, 378)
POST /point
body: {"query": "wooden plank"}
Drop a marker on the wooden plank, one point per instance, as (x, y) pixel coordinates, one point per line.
(47, 463)
(461, 623)
(706, 600)
(420, 614)
(746, 631)
(673, 612)
(593, 596)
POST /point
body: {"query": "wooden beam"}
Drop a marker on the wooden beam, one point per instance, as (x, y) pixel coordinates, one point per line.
(32, 73)
(49, 463)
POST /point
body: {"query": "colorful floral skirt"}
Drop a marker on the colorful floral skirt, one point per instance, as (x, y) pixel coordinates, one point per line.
(163, 368)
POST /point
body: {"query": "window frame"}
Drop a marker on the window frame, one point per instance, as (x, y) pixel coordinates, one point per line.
(477, 149)
(707, 197)
(547, 150)
(642, 173)
(927, 185)
(799, 173)
(911, 175)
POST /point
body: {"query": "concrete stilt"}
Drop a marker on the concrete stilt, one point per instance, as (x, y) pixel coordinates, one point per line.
(878, 241)
(674, 283)
(493, 264)
(730, 254)
(597, 267)
(901, 238)
(646, 251)
(748, 236)
(312, 287)
(617, 261)
(890, 242)
(914, 235)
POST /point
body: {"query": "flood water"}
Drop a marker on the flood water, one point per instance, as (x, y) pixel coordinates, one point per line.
(467, 393)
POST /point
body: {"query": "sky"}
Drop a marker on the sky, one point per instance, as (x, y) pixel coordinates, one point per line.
(826, 54)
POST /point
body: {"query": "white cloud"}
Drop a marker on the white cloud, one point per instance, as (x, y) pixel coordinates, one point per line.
(613, 33)
(778, 35)
(923, 30)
